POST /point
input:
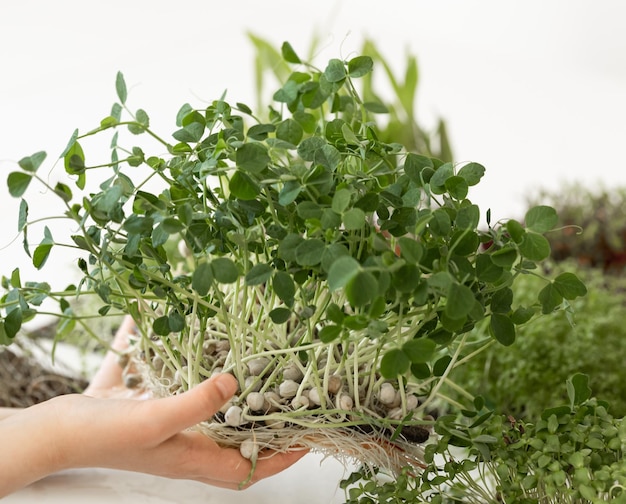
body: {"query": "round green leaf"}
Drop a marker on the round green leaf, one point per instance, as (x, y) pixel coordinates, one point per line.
(280, 315)
(329, 333)
(505, 257)
(284, 286)
(503, 329)
(460, 301)
(224, 270)
(335, 70)
(289, 54)
(362, 289)
(535, 247)
(472, 173)
(289, 131)
(419, 350)
(550, 298)
(33, 162)
(243, 187)
(202, 278)
(439, 367)
(406, 278)
(161, 326)
(457, 187)
(394, 363)
(18, 182)
(309, 252)
(353, 219)
(411, 250)
(541, 218)
(252, 157)
(569, 286)
(258, 274)
(360, 66)
(515, 230)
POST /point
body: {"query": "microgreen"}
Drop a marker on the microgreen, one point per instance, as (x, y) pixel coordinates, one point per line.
(298, 235)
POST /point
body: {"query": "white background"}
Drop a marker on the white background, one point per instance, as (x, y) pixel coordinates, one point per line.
(535, 90)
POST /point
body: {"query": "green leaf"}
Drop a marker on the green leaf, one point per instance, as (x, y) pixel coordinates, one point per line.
(353, 219)
(472, 173)
(42, 252)
(414, 164)
(505, 257)
(280, 315)
(411, 250)
(335, 71)
(361, 289)
(341, 200)
(161, 326)
(243, 187)
(457, 187)
(502, 328)
(535, 247)
(22, 219)
(289, 54)
(569, 286)
(394, 363)
(13, 322)
(309, 252)
(33, 162)
(550, 298)
(142, 122)
(406, 278)
(578, 389)
(284, 286)
(252, 157)
(329, 333)
(224, 270)
(202, 278)
(515, 230)
(120, 87)
(440, 367)
(360, 66)
(18, 182)
(419, 350)
(460, 301)
(289, 131)
(541, 218)
(258, 274)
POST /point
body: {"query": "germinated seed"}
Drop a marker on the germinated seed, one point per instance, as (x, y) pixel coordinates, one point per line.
(234, 416)
(273, 400)
(288, 388)
(292, 372)
(387, 394)
(300, 402)
(346, 402)
(412, 402)
(249, 449)
(314, 397)
(132, 380)
(334, 384)
(255, 401)
(256, 366)
(252, 383)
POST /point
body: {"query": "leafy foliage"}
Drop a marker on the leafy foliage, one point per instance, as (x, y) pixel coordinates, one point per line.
(571, 453)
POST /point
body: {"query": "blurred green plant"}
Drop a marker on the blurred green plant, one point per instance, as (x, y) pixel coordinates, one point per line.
(393, 104)
(594, 225)
(523, 379)
(570, 454)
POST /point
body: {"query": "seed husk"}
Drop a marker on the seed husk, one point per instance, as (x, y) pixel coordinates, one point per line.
(234, 416)
(255, 401)
(249, 449)
(257, 366)
(288, 389)
(334, 384)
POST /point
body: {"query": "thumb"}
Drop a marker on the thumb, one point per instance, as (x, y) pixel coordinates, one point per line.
(177, 413)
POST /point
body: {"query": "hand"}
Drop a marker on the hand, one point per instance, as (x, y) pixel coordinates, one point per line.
(149, 436)
(105, 428)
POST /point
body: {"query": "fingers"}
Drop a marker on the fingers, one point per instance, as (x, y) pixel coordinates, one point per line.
(177, 413)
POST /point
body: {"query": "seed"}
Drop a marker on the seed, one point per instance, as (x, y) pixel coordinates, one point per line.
(257, 366)
(249, 449)
(234, 416)
(412, 402)
(273, 400)
(387, 394)
(252, 383)
(222, 346)
(132, 381)
(314, 397)
(288, 388)
(157, 363)
(300, 402)
(228, 404)
(255, 401)
(395, 414)
(346, 402)
(334, 384)
(122, 360)
(292, 372)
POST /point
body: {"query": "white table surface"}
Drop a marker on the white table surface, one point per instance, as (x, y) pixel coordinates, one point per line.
(310, 481)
